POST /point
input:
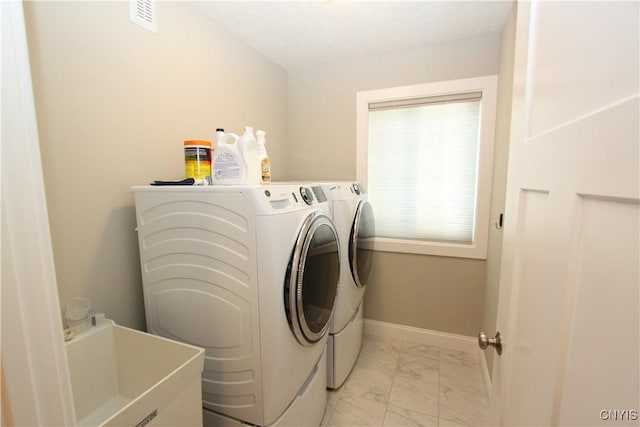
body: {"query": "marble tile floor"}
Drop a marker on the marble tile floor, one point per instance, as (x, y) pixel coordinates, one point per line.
(401, 383)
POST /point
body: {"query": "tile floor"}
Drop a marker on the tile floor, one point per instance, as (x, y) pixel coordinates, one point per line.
(401, 383)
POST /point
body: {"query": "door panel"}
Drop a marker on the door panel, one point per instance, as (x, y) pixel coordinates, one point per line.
(575, 63)
(604, 331)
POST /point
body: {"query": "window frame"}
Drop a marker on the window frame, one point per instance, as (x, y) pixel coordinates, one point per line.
(488, 86)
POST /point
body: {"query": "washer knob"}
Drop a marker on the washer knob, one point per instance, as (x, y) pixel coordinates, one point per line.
(356, 188)
(306, 194)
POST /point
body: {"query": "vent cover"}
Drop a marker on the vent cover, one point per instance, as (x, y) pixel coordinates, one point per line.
(143, 13)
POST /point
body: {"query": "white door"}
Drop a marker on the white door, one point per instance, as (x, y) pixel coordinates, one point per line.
(34, 377)
(569, 300)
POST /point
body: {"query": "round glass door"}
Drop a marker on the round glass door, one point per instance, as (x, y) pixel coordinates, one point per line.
(360, 257)
(311, 284)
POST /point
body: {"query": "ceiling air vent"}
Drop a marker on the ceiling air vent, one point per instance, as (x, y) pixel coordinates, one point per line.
(143, 13)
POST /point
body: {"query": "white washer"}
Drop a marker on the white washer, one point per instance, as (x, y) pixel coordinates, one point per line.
(353, 217)
(250, 274)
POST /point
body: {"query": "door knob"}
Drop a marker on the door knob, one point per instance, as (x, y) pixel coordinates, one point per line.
(484, 342)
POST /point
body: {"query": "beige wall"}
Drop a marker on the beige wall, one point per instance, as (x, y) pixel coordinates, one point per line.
(438, 293)
(114, 103)
(501, 154)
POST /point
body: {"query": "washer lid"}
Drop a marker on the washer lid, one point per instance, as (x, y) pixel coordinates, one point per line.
(361, 259)
(311, 283)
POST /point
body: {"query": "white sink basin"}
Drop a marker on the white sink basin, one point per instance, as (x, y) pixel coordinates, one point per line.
(121, 376)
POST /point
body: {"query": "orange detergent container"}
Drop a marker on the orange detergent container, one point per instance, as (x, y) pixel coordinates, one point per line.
(197, 159)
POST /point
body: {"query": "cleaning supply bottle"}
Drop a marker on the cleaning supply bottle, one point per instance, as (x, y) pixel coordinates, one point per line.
(197, 159)
(249, 149)
(228, 163)
(263, 158)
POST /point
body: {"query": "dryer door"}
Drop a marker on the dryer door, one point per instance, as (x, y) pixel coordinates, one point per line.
(361, 259)
(311, 284)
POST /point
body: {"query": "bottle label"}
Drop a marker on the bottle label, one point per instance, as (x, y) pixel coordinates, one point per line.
(197, 162)
(265, 170)
(226, 166)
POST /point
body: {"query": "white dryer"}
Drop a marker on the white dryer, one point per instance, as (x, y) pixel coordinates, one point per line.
(250, 274)
(353, 217)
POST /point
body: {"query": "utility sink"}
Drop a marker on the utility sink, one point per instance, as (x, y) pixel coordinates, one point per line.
(123, 377)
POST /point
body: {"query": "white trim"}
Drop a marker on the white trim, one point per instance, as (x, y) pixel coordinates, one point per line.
(424, 248)
(34, 362)
(421, 336)
(488, 86)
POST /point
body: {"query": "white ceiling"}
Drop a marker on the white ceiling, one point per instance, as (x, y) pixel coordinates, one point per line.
(304, 33)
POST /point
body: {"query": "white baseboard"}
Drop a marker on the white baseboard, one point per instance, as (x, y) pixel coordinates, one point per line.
(434, 338)
(421, 336)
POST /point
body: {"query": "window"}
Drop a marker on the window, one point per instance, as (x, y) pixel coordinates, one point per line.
(425, 156)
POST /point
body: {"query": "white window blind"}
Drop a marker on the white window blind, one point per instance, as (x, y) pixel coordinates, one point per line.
(423, 167)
